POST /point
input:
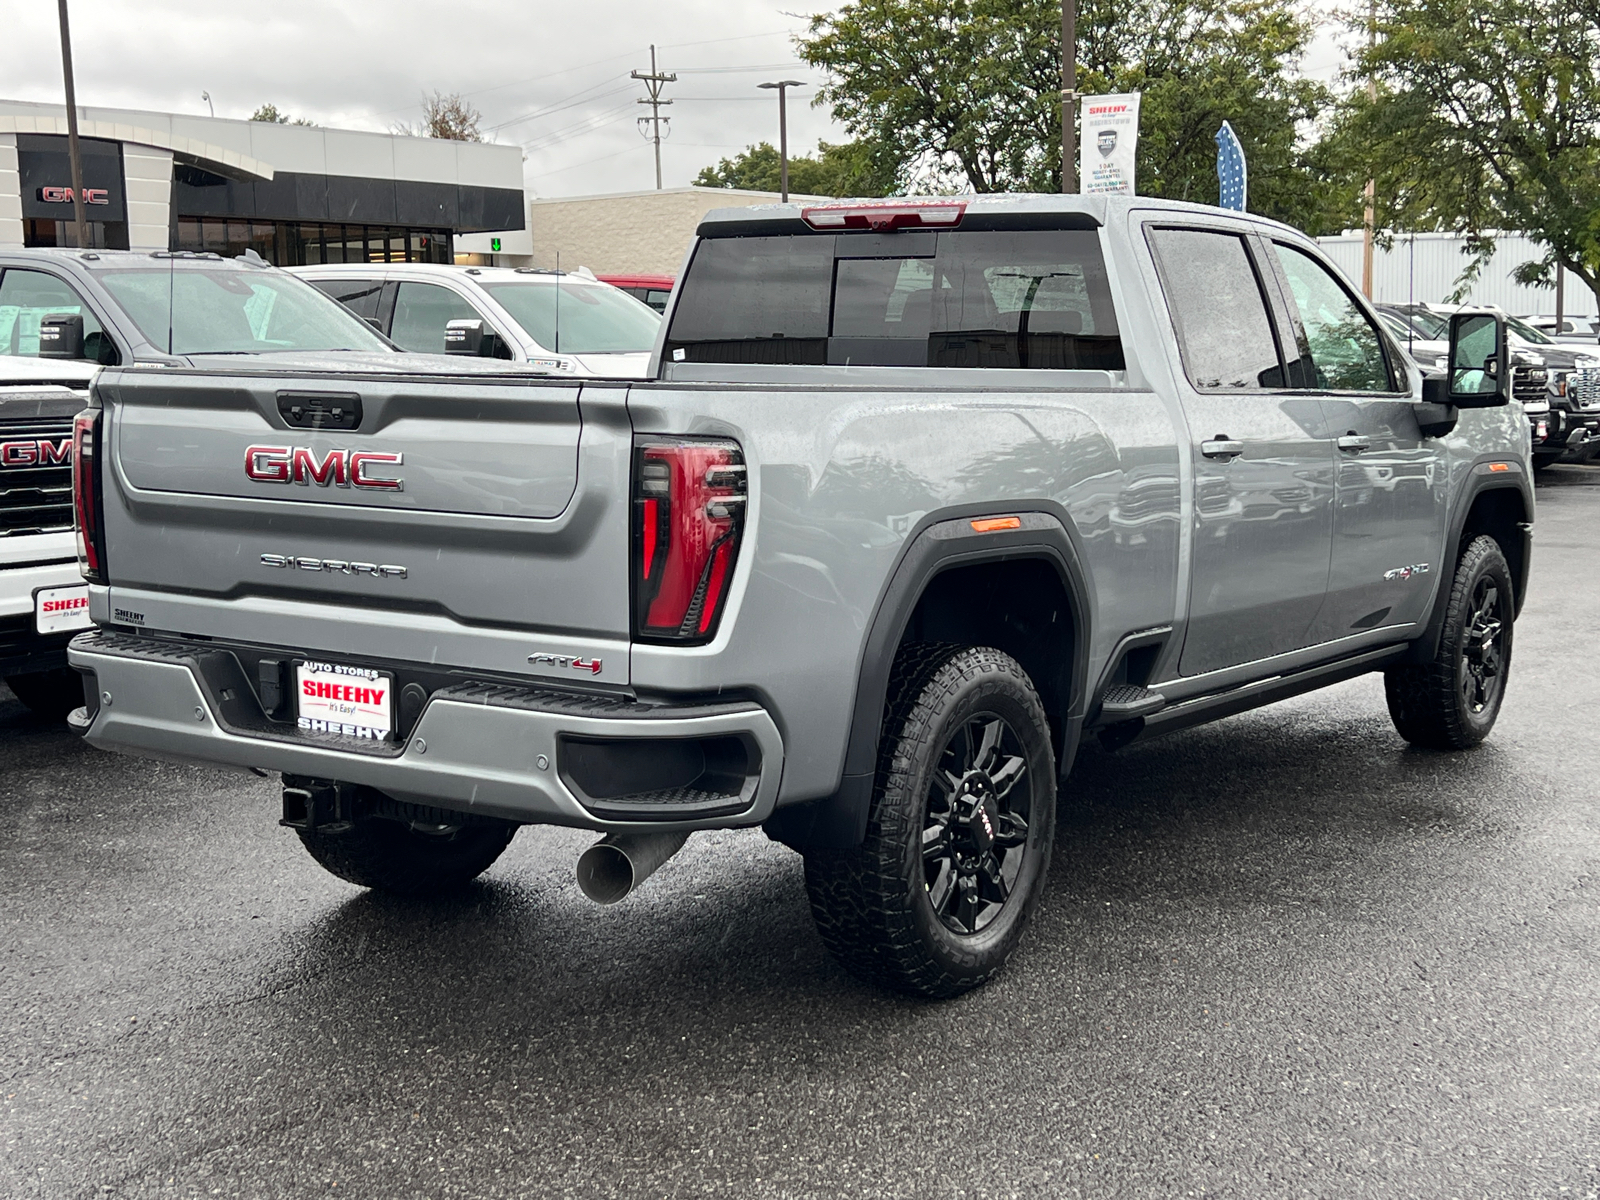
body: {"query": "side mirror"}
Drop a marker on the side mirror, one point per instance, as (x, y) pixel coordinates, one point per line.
(464, 336)
(61, 336)
(1480, 369)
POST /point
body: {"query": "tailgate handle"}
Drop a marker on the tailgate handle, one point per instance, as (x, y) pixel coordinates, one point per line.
(320, 410)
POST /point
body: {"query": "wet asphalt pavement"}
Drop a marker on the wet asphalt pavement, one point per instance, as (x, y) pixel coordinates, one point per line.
(1283, 955)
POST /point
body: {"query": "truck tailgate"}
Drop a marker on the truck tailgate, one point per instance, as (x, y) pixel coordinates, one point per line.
(462, 521)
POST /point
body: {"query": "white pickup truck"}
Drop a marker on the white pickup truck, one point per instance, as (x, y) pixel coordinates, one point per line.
(43, 598)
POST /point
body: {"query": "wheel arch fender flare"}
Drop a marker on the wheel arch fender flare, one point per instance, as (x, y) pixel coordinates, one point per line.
(1481, 481)
(942, 541)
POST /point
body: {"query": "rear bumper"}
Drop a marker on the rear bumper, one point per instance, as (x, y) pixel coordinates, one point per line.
(476, 747)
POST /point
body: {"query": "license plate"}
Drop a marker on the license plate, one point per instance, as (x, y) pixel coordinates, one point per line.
(353, 702)
(61, 609)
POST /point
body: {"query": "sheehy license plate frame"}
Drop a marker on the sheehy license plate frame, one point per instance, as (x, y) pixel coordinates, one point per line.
(356, 703)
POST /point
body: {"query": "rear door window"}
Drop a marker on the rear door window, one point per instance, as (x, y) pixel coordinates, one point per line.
(1219, 310)
(421, 311)
(28, 297)
(996, 299)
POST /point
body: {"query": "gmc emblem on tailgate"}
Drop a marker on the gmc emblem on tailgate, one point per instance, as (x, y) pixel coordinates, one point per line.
(36, 452)
(340, 468)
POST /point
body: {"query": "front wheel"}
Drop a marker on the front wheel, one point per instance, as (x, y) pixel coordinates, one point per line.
(1452, 702)
(935, 899)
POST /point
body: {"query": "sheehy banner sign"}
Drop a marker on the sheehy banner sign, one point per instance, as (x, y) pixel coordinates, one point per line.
(1109, 129)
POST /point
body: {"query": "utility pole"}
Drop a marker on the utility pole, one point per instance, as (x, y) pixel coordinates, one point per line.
(1069, 95)
(653, 83)
(1369, 217)
(1561, 298)
(783, 86)
(73, 157)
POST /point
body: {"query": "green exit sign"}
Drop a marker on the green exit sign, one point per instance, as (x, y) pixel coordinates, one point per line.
(494, 245)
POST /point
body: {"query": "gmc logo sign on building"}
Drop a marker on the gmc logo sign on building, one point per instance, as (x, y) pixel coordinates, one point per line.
(337, 468)
(36, 452)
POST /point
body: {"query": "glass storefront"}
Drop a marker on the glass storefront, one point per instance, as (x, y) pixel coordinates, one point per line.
(295, 244)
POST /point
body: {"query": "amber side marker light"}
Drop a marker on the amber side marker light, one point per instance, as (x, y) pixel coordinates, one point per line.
(1499, 466)
(996, 524)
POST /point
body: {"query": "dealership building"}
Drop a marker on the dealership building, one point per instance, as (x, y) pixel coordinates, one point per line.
(294, 194)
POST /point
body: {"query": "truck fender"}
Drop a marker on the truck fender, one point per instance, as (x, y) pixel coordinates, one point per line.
(1481, 481)
(943, 541)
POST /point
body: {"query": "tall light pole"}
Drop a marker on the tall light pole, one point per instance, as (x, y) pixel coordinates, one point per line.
(1369, 195)
(73, 157)
(1069, 95)
(783, 86)
(653, 83)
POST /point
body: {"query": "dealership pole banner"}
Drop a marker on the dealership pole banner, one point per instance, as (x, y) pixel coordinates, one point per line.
(1109, 130)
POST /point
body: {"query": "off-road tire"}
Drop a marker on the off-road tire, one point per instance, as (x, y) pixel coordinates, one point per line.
(1428, 701)
(395, 857)
(50, 694)
(1541, 461)
(873, 905)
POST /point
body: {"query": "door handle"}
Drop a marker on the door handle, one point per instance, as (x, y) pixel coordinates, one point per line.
(1222, 447)
(1354, 443)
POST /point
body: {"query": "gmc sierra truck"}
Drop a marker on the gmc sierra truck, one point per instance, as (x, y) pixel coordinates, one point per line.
(43, 599)
(918, 494)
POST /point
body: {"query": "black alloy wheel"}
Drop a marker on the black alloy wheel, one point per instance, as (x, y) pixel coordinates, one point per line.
(935, 898)
(1482, 672)
(1452, 701)
(972, 842)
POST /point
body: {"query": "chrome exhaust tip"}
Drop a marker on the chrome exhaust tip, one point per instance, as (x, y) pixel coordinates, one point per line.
(613, 867)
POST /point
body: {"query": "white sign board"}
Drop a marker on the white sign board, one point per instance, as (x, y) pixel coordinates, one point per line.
(1108, 131)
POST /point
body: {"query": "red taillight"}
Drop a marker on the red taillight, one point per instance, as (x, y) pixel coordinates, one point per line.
(884, 217)
(86, 501)
(688, 499)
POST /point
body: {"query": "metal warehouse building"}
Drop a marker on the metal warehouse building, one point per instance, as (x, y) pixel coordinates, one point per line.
(1423, 268)
(293, 193)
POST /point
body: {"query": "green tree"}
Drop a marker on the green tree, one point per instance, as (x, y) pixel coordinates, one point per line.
(269, 113)
(850, 169)
(1487, 118)
(966, 93)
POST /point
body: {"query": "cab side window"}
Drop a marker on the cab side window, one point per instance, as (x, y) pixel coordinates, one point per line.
(1218, 310)
(28, 297)
(1344, 347)
(420, 313)
(360, 296)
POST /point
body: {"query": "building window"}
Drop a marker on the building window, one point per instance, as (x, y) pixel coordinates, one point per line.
(294, 244)
(103, 235)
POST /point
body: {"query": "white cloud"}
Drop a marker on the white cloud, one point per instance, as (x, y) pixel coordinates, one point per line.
(552, 77)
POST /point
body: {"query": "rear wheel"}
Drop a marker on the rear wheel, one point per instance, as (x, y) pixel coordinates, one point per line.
(935, 899)
(409, 858)
(50, 694)
(1452, 702)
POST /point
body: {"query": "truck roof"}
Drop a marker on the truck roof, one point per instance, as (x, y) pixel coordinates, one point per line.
(1095, 209)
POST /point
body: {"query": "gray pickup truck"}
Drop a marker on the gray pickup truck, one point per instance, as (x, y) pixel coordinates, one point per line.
(917, 496)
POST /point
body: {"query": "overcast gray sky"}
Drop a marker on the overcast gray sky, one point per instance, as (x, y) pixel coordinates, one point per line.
(551, 77)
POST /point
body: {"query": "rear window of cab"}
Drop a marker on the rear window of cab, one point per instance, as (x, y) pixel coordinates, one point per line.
(916, 298)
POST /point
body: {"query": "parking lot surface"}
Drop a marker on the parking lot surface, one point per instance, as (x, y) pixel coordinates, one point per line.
(1282, 955)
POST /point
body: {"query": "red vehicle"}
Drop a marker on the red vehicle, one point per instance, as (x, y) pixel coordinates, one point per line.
(652, 289)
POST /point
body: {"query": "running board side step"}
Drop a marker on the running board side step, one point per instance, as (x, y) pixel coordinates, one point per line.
(1128, 701)
(1213, 707)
